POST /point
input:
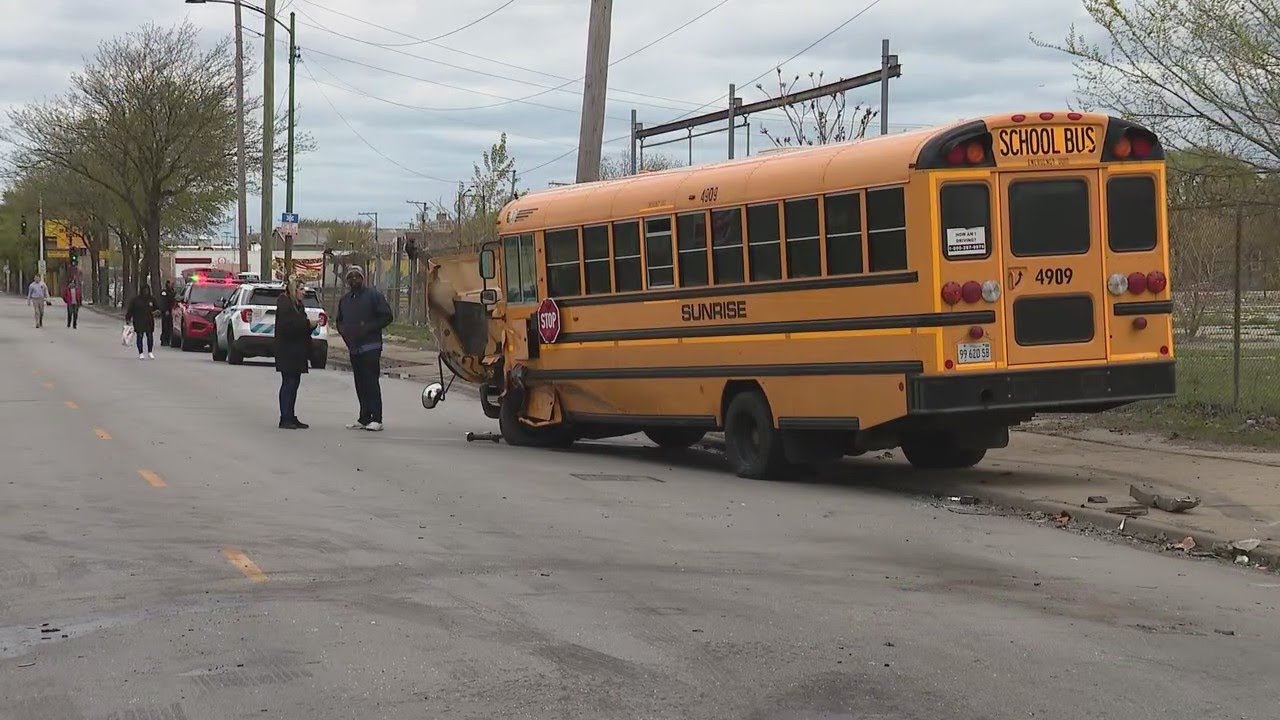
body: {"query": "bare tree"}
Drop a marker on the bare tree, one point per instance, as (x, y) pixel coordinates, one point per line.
(618, 165)
(1204, 74)
(820, 121)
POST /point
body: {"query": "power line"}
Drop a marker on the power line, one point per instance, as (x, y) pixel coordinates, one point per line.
(545, 88)
(365, 140)
(422, 41)
(809, 47)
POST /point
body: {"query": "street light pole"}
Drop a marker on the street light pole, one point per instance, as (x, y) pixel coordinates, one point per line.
(288, 191)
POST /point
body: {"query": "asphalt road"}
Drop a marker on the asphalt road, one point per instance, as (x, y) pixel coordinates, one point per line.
(166, 553)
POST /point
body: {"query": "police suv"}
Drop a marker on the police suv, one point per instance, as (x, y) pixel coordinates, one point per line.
(246, 325)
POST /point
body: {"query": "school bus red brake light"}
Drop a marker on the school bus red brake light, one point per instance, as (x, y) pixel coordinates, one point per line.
(974, 153)
(951, 293)
(1141, 146)
(971, 292)
(1157, 282)
(1137, 283)
(1123, 148)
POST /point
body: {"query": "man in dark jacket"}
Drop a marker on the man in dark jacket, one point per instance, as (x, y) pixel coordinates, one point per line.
(362, 314)
(168, 298)
(142, 313)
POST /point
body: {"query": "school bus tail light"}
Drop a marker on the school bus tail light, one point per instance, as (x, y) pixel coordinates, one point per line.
(1139, 323)
(1137, 283)
(1126, 141)
(951, 293)
(971, 292)
(1157, 282)
(973, 152)
(1118, 284)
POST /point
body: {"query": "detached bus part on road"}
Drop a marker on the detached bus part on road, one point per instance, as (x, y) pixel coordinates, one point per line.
(926, 291)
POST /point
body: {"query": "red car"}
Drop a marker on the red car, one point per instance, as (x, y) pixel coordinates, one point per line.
(194, 311)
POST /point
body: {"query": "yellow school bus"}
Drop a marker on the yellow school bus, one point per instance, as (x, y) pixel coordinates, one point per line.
(926, 291)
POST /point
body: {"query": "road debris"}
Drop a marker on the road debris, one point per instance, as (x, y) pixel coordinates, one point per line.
(1242, 559)
(1128, 510)
(1063, 519)
(1246, 545)
(1098, 499)
(1169, 502)
(491, 437)
(963, 499)
(1187, 545)
(1228, 633)
(26, 665)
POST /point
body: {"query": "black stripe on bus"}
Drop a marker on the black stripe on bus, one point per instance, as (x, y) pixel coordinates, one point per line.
(894, 367)
(819, 423)
(827, 283)
(884, 322)
(1155, 307)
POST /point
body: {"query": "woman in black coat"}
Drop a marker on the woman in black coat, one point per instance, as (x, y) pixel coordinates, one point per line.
(292, 349)
(141, 312)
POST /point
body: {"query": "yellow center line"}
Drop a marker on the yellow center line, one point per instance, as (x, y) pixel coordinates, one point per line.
(102, 434)
(72, 406)
(244, 564)
(152, 479)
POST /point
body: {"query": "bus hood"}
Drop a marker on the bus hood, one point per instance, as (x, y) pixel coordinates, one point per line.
(465, 331)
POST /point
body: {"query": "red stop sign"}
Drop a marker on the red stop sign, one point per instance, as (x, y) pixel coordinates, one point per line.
(548, 321)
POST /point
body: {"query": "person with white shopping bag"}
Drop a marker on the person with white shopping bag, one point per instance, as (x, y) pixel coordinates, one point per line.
(142, 313)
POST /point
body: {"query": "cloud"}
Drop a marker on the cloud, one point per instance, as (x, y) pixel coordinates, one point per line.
(434, 108)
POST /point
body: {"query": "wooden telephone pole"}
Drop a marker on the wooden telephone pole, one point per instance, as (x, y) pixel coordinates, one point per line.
(595, 84)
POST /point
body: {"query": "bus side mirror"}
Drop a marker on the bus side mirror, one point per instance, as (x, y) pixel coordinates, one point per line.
(488, 297)
(488, 271)
(432, 395)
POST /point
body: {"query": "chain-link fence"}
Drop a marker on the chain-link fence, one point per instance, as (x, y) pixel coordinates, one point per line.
(1226, 281)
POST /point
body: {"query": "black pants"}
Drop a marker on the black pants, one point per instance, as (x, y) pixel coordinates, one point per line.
(367, 368)
(289, 383)
(151, 339)
(166, 328)
(73, 316)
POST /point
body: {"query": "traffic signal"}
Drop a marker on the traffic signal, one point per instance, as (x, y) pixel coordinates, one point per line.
(74, 255)
(411, 248)
(24, 226)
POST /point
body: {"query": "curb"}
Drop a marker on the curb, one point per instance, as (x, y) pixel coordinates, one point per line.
(1143, 528)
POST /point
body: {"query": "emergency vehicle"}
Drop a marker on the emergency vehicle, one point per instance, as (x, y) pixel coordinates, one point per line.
(246, 325)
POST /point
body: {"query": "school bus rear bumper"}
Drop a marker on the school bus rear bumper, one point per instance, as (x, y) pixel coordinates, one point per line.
(1081, 389)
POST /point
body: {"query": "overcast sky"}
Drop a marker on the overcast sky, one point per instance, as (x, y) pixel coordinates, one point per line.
(959, 59)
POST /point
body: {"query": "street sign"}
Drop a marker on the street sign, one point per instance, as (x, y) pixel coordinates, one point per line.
(289, 218)
(549, 321)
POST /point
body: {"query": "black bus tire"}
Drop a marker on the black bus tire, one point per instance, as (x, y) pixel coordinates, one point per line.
(752, 444)
(518, 434)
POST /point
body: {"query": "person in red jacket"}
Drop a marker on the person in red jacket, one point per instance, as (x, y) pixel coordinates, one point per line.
(73, 296)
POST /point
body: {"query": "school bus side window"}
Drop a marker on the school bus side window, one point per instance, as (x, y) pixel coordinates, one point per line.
(563, 272)
(804, 254)
(887, 229)
(844, 233)
(519, 280)
(628, 274)
(764, 246)
(692, 241)
(595, 253)
(658, 256)
(726, 245)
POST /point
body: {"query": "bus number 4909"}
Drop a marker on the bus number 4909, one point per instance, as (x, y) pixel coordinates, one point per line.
(1054, 276)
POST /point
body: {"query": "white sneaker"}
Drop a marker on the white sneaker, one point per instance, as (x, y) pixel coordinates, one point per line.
(151, 356)
(142, 356)
(356, 426)
(374, 427)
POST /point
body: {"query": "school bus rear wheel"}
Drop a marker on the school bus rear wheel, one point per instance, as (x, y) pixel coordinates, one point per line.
(674, 438)
(518, 434)
(752, 444)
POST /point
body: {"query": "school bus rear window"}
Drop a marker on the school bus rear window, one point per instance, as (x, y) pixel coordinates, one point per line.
(966, 221)
(1131, 213)
(1049, 217)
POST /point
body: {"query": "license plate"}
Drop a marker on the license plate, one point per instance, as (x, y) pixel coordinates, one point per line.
(973, 353)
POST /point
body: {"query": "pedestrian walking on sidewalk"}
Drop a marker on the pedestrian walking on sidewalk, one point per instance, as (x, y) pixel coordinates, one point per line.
(292, 348)
(168, 298)
(363, 313)
(142, 313)
(73, 296)
(38, 298)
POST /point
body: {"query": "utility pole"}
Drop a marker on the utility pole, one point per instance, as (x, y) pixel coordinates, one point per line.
(887, 61)
(242, 201)
(377, 250)
(40, 237)
(596, 82)
(288, 187)
(733, 107)
(268, 135)
(633, 141)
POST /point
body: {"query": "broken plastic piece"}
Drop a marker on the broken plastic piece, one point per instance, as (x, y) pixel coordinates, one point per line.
(1152, 497)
